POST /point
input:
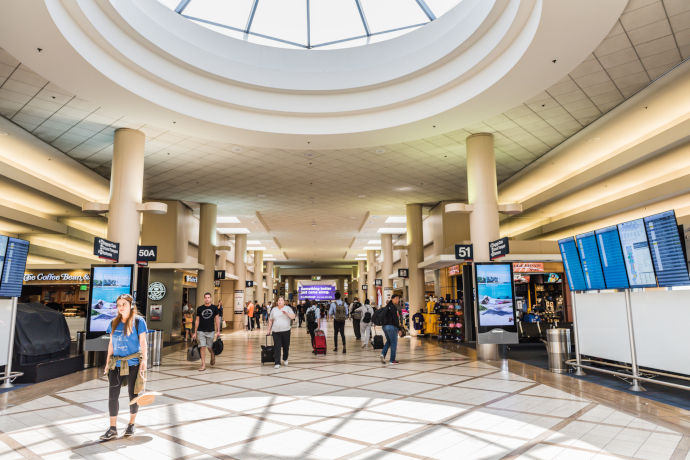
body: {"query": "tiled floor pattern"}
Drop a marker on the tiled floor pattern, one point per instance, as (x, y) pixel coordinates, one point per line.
(435, 405)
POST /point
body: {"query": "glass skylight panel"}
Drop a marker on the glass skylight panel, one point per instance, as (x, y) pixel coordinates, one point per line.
(282, 19)
(385, 15)
(233, 13)
(333, 20)
(439, 7)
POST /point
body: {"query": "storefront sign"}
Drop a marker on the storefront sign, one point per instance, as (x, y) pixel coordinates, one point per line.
(147, 253)
(56, 277)
(388, 294)
(527, 267)
(216, 283)
(107, 250)
(378, 282)
(219, 275)
(249, 284)
(156, 291)
(464, 252)
(403, 273)
(454, 270)
(498, 248)
(190, 279)
(239, 302)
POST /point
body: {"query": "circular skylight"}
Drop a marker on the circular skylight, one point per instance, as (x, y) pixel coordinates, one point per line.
(312, 24)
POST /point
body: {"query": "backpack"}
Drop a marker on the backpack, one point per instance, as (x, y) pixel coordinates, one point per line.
(246, 310)
(340, 312)
(367, 317)
(357, 314)
(311, 315)
(379, 316)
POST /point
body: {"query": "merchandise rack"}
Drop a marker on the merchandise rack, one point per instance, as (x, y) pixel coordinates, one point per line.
(456, 334)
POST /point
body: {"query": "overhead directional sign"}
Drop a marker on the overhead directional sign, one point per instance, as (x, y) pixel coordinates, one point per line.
(147, 253)
(219, 275)
(249, 284)
(378, 282)
(107, 250)
(498, 248)
(464, 252)
(403, 273)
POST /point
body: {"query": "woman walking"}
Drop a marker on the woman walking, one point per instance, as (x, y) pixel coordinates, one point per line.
(126, 361)
(280, 323)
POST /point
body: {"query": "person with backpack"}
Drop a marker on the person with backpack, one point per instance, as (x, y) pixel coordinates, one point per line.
(126, 361)
(313, 316)
(339, 313)
(356, 317)
(389, 319)
(366, 312)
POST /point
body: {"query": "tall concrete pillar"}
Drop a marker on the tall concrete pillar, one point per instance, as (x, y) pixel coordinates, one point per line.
(415, 255)
(241, 273)
(362, 280)
(352, 292)
(406, 282)
(126, 191)
(277, 282)
(269, 281)
(291, 288)
(371, 276)
(387, 266)
(259, 276)
(482, 193)
(207, 251)
(340, 285)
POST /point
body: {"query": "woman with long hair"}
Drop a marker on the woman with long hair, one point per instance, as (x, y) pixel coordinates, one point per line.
(126, 361)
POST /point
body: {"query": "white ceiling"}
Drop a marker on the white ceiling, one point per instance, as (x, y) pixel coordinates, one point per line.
(324, 186)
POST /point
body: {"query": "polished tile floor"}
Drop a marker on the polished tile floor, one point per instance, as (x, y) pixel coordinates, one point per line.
(437, 404)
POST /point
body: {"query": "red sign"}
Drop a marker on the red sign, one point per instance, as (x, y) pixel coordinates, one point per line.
(454, 270)
(527, 267)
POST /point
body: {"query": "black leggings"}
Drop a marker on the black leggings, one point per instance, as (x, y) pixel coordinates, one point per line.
(115, 382)
(338, 326)
(311, 328)
(281, 340)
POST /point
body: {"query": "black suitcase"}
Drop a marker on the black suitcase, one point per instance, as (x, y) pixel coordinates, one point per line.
(267, 355)
(378, 341)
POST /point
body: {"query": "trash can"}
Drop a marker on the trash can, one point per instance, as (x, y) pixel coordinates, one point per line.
(157, 346)
(81, 338)
(150, 339)
(558, 348)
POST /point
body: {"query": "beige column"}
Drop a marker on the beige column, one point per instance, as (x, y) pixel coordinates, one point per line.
(387, 266)
(371, 277)
(269, 281)
(362, 280)
(126, 191)
(277, 282)
(259, 276)
(340, 285)
(482, 193)
(291, 288)
(207, 252)
(241, 273)
(415, 255)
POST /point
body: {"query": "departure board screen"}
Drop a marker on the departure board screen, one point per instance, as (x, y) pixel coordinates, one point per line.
(667, 250)
(14, 263)
(591, 264)
(638, 259)
(571, 263)
(612, 262)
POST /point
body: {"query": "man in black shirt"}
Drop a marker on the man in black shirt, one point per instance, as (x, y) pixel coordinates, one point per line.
(207, 322)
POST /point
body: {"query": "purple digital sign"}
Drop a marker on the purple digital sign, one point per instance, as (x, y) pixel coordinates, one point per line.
(317, 293)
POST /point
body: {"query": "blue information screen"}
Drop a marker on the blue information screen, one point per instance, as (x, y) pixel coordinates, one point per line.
(591, 264)
(667, 250)
(612, 262)
(638, 259)
(13, 254)
(571, 263)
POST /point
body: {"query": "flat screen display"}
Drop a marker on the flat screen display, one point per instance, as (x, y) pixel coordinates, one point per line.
(318, 293)
(495, 295)
(13, 254)
(552, 278)
(636, 254)
(612, 261)
(571, 263)
(591, 264)
(520, 278)
(667, 249)
(107, 283)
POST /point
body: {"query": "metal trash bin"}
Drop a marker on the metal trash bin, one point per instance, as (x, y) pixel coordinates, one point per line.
(150, 339)
(157, 347)
(81, 339)
(558, 347)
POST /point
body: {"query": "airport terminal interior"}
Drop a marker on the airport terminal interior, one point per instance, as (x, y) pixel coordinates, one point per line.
(344, 229)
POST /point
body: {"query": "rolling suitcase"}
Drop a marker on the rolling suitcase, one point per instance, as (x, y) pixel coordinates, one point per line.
(319, 342)
(267, 355)
(378, 341)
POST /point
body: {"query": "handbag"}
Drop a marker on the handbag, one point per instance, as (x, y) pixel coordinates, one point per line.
(144, 399)
(193, 353)
(224, 324)
(217, 346)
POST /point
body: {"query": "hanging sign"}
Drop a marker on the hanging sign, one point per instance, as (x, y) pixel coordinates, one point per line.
(498, 248)
(454, 270)
(249, 284)
(190, 279)
(464, 252)
(275, 291)
(219, 275)
(403, 273)
(316, 278)
(107, 250)
(378, 282)
(364, 287)
(147, 253)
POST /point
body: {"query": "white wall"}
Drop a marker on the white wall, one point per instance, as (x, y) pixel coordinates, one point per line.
(5, 321)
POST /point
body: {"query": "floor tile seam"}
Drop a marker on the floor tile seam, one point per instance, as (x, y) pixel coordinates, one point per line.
(548, 433)
(18, 447)
(682, 449)
(612, 425)
(584, 449)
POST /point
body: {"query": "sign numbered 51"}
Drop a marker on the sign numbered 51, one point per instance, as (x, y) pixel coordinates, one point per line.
(464, 252)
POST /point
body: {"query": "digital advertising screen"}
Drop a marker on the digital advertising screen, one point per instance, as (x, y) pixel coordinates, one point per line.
(553, 278)
(571, 263)
(667, 249)
(611, 255)
(13, 254)
(495, 295)
(108, 282)
(591, 264)
(636, 254)
(317, 293)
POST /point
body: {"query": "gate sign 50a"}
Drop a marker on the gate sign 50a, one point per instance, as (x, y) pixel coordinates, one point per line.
(147, 253)
(464, 252)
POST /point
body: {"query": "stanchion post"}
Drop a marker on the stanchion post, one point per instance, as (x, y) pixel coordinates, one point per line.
(10, 348)
(635, 386)
(578, 369)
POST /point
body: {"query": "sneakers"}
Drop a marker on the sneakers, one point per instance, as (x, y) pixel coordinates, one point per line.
(277, 366)
(285, 363)
(343, 350)
(130, 430)
(383, 359)
(394, 362)
(364, 345)
(110, 434)
(335, 349)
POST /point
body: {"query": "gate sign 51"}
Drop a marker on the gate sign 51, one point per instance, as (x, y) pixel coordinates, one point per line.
(464, 252)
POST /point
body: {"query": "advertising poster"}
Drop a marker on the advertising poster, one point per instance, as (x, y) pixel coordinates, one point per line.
(388, 294)
(239, 302)
(495, 292)
(379, 296)
(108, 284)
(318, 293)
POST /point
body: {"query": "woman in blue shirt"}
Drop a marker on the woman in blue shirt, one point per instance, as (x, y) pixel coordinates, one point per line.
(127, 337)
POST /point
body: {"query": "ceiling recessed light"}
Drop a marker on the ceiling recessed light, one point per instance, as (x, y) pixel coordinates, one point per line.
(396, 220)
(594, 139)
(233, 230)
(227, 220)
(254, 222)
(310, 155)
(379, 151)
(3, 133)
(372, 248)
(374, 242)
(391, 230)
(262, 196)
(362, 196)
(237, 149)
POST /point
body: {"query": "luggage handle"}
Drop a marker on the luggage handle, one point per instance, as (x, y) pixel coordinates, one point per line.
(272, 340)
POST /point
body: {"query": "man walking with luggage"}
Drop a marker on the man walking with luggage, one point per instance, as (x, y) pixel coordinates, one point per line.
(207, 322)
(391, 326)
(339, 312)
(356, 317)
(280, 323)
(366, 312)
